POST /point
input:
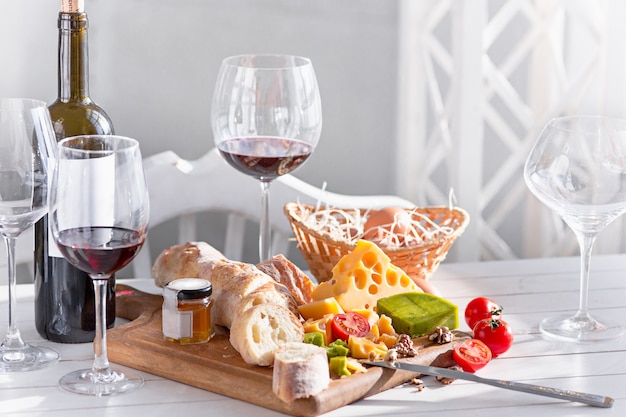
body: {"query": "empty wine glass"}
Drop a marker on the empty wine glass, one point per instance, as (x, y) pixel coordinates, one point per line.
(99, 212)
(267, 119)
(577, 168)
(26, 142)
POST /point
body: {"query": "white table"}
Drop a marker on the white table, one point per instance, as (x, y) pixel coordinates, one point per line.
(528, 290)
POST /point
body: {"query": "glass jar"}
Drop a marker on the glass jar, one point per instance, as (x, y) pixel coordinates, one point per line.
(187, 310)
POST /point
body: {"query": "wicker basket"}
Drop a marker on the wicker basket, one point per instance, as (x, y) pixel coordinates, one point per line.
(321, 252)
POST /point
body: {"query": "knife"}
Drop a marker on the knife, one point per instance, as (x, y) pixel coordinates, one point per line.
(581, 397)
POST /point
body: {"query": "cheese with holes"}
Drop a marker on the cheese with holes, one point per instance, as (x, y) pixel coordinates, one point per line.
(363, 276)
(417, 314)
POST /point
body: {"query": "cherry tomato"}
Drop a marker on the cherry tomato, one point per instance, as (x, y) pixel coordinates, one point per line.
(348, 324)
(471, 355)
(481, 308)
(495, 333)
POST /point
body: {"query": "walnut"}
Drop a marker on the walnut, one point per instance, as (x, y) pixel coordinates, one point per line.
(404, 346)
(419, 384)
(391, 356)
(447, 381)
(441, 335)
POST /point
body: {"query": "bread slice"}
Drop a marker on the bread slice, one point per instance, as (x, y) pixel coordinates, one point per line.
(300, 371)
(232, 282)
(258, 332)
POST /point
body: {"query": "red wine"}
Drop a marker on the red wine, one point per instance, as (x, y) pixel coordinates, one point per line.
(100, 250)
(265, 158)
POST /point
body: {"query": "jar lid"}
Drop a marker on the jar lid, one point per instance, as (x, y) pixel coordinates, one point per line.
(190, 288)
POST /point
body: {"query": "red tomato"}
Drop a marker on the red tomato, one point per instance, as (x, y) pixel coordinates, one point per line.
(481, 308)
(495, 333)
(349, 324)
(471, 355)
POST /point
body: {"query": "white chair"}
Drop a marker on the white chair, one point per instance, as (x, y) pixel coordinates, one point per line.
(181, 189)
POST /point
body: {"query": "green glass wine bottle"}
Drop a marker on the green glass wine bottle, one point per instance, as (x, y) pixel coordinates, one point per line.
(64, 295)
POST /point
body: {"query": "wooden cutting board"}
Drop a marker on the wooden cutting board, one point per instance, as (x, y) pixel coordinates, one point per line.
(217, 367)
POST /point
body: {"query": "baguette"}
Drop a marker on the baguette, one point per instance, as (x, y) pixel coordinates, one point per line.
(287, 273)
(184, 261)
(261, 329)
(300, 371)
(270, 293)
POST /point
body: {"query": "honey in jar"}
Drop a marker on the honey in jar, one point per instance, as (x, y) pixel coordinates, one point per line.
(187, 310)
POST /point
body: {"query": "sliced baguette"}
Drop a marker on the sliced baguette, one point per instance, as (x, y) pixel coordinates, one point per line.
(300, 371)
(261, 329)
(232, 282)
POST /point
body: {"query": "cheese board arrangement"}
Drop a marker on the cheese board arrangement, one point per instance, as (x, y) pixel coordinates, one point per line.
(269, 335)
(217, 367)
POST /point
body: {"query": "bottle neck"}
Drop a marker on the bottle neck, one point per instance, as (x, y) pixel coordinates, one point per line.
(73, 57)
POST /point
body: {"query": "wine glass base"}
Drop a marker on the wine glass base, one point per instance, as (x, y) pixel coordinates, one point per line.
(27, 358)
(580, 329)
(88, 382)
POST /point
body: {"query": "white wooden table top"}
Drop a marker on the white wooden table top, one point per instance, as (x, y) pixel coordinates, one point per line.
(528, 289)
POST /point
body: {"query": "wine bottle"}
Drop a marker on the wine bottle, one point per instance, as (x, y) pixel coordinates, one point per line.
(64, 295)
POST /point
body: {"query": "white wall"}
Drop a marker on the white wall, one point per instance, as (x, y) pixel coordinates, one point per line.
(154, 62)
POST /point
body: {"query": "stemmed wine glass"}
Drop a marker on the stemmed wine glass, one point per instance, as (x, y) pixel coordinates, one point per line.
(577, 168)
(99, 211)
(26, 142)
(267, 119)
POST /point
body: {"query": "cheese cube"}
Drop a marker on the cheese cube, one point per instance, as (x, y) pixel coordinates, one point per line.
(363, 348)
(320, 325)
(320, 308)
(363, 276)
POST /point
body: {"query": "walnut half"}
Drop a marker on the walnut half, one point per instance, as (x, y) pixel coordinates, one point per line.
(441, 335)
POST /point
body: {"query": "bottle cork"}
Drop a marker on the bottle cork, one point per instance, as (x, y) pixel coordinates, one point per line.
(72, 6)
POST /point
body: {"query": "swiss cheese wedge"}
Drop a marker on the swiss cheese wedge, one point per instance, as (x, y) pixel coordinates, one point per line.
(363, 276)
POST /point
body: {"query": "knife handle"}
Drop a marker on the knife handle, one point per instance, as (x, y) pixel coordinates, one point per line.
(562, 394)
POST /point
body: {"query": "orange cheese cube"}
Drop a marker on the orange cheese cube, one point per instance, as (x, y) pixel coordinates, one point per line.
(317, 309)
(363, 348)
(320, 325)
(385, 325)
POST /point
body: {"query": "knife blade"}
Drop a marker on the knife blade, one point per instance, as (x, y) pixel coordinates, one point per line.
(562, 394)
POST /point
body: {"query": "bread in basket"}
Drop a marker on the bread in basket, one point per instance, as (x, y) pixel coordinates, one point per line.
(321, 251)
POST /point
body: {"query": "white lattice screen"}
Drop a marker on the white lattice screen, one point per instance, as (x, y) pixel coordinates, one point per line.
(477, 81)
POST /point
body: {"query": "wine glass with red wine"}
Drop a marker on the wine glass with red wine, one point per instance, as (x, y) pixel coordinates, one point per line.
(267, 119)
(26, 142)
(99, 211)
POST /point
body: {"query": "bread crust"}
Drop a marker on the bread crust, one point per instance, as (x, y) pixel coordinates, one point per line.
(287, 273)
(300, 371)
(232, 282)
(186, 260)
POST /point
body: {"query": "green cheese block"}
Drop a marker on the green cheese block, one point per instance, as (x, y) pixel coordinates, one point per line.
(417, 313)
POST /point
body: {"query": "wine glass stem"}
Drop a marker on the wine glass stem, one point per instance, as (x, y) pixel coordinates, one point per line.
(265, 234)
(13, 339)
(585, 241)
(101, 361)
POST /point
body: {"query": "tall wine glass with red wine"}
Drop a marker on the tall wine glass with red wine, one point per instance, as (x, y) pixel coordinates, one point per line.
(26, 142)
(99, 211)
(267, 119)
